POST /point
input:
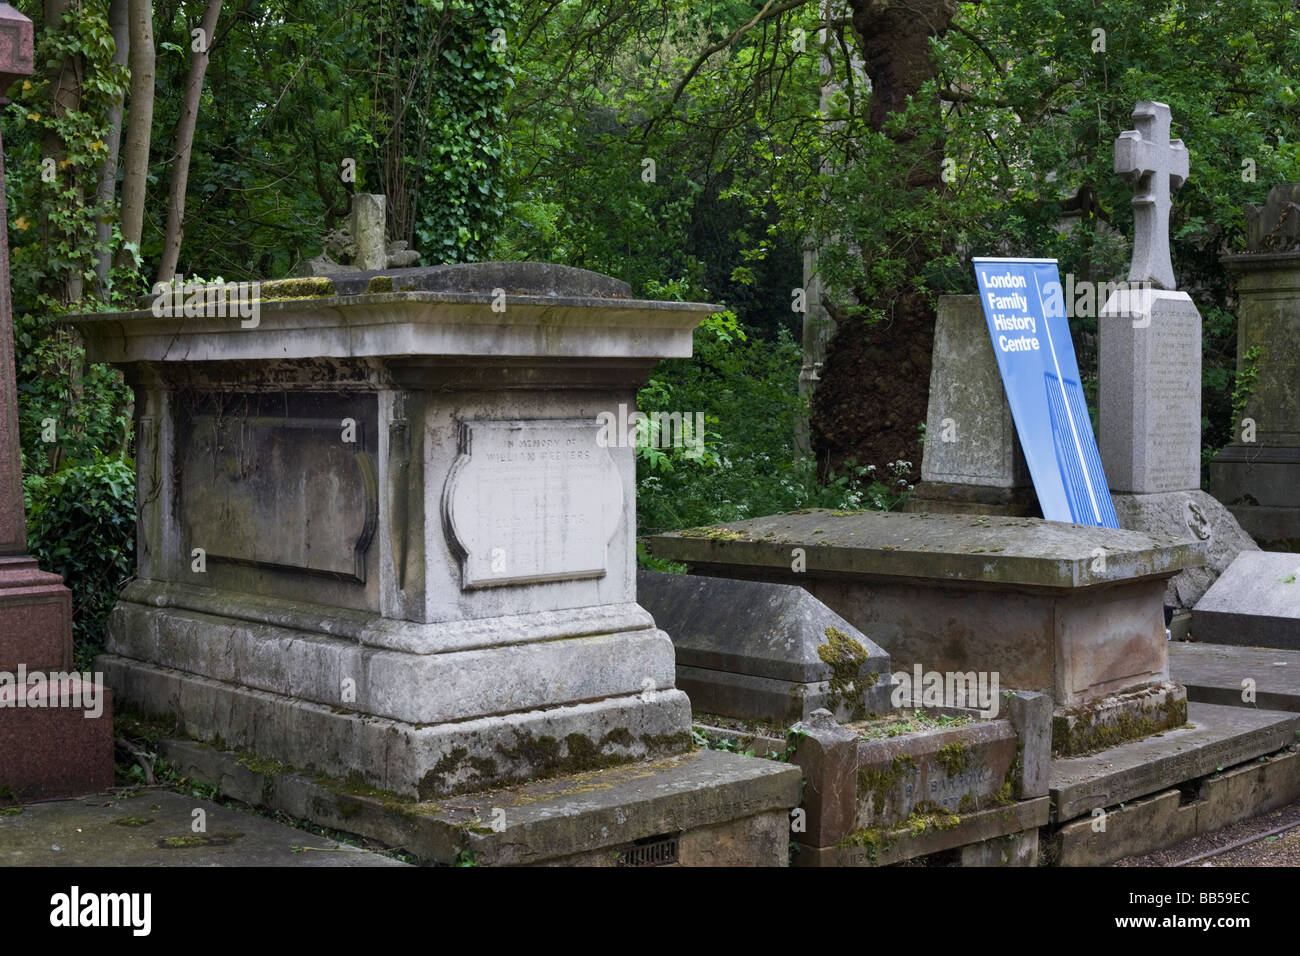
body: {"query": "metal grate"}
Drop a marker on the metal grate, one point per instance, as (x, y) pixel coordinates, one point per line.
(651, 851)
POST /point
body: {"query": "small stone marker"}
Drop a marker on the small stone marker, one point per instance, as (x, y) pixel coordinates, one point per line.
(1156, 166)
(363, 246)
(972, 461)
(759, 651)
(368, 213)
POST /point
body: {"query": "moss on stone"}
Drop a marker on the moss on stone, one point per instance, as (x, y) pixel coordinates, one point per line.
(379, 284)
(132, 821)
(954, 758)
(433, 782)
(927, 814)
(657, 745)
(845, 657)
(262, 765)
(875, 783)
(620, 736)
(717, 533)
(305, 287)
(871, 839)
(1088, 729)
(197, 839)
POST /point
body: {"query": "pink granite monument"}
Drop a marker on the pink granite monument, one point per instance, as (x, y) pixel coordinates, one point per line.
(50, 745)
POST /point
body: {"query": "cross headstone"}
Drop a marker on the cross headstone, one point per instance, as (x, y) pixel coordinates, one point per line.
(1155, 166)
(1149, 387)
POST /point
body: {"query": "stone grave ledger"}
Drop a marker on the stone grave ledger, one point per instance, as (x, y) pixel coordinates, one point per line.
(381, 531)
(1066, 610)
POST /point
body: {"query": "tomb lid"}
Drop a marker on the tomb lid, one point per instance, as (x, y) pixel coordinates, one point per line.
(484, 278)
(484, 308)
(1022, 552)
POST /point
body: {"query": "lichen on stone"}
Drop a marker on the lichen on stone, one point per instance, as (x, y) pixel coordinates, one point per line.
(846, 686)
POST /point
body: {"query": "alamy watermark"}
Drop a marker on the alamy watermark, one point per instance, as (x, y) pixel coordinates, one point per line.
(1085, 299)
(931, 689)
(38, 689)
(656, 430)
(212, 300)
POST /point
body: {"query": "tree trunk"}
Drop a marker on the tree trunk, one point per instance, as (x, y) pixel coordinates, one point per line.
(65, 98)
(139, 126)
(874, 386)
(184, 145)
(895, 45)
(117, 21)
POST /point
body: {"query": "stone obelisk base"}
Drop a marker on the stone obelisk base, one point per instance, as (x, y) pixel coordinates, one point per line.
(50, 746)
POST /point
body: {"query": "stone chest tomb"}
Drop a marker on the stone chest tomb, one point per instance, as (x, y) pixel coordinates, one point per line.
(378, 535)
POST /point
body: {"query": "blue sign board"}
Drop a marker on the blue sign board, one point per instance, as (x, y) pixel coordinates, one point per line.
(1025, 310)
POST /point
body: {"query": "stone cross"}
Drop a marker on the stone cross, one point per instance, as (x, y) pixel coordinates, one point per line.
(1155, 166)
(15, 61)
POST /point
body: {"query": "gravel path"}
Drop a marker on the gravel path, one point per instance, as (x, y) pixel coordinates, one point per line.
(1255, 849)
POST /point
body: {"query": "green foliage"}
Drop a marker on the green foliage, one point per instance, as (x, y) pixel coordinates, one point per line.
(69, 411)
(81, 525)
(595, 182)
(53, 216)
(747, 390)
(457, 106)
(1244, 386)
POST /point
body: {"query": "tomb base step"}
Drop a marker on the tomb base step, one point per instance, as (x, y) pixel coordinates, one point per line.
(1271, 527)
(1214, 737)
(703, 808)
(1217, 674)
(451, 672)
(35, 616)
(886, 847)
(60, 744)
(1171, 816)
(414, 760)
(1119, 718)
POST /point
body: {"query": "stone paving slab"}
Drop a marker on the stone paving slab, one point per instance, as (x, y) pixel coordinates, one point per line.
(1216, 737)
(154, 828)
(1213, 674)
